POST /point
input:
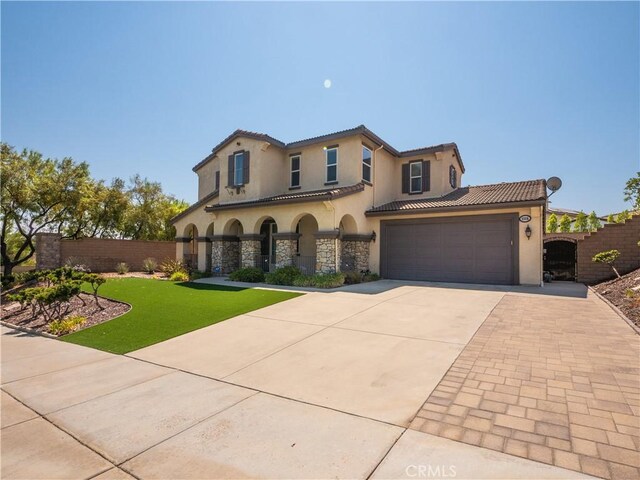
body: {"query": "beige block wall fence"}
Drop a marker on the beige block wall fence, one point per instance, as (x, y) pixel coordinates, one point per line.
(99, 254)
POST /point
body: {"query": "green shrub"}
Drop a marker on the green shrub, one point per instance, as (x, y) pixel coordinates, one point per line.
(66, 325)
(283, 276)
(248, 274)
(8, 281)
(629, 293)
(169, 267)
(320, 280)
(370, 277)
(179, 277)
(149, 265)
(122, 268)
(351, 278)
(197, 274)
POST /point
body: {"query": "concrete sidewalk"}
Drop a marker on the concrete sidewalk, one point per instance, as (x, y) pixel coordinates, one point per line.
(266, 395)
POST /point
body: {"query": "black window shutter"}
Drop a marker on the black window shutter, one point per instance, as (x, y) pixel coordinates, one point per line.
(230, 172)
(245, 167)
(405, 178)
(426, 175)
(217, 186)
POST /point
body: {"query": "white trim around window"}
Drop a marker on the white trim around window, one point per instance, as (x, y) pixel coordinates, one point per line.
(294, 180)
(415, 174)
(331, 174)
(367, 162)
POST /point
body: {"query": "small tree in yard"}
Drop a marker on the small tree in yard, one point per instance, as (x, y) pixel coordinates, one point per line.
(581, 223)
(594, 222)
(611, 218)
(609, 257)
(95, 281)
(565, 223)
(552, 223)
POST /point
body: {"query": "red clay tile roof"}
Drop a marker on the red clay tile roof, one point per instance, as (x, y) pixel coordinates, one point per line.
(313, 196)
(360, 129)
(473, 196)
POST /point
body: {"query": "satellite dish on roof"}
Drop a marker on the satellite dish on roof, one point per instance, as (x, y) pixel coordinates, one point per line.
(554, 184)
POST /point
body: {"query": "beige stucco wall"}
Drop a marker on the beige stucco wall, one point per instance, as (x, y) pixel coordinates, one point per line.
(207, 178)
(270, 170)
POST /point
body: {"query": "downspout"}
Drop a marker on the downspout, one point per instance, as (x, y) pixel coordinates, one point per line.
(373, 183)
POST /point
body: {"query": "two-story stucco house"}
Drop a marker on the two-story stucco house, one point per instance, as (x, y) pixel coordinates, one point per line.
(349, 200)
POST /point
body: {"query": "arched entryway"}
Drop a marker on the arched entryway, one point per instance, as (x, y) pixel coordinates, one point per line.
(209, 237)
(560, 259)
(190, 247)
(306, 226)
(267, 260)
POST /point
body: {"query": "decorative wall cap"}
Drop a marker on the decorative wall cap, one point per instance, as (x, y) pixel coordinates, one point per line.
(250, 236)
(328, 234)
(286, 236)
(357, 237)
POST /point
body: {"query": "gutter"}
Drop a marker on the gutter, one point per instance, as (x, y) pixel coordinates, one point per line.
(455, 208)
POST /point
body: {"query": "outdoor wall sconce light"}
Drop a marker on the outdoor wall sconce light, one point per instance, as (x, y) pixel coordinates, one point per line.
(527, 232)
(373, 236)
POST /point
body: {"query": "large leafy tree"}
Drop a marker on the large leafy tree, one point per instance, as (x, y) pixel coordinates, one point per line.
(150, 211)
(101, 213)
(632, 191)
(38, 194)
(46, 195)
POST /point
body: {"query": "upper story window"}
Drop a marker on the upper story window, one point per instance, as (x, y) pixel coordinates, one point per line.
(415, 185)
(366, 164)
(295, 171)
(217, 181)
(332, 164)
(238, 169)
(453, 176)
(416, 176)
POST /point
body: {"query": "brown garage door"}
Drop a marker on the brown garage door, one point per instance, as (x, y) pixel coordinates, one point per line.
(478, 249)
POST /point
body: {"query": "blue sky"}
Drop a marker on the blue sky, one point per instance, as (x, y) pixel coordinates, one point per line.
(527, 90)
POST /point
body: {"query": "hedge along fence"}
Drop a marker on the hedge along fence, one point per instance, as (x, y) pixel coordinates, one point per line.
(99, 254)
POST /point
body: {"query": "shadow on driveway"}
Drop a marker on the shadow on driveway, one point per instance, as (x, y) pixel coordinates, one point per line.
(557, 289)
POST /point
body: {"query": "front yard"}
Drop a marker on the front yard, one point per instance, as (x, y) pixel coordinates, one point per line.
(162, 310)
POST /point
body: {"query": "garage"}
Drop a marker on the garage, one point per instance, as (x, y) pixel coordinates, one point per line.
(469, 249)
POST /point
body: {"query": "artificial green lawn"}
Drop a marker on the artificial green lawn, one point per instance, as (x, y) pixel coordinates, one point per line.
(162, 310)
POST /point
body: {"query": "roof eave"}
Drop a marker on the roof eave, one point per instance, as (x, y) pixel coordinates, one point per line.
(195, 206)
(455, 208)
(284, 201)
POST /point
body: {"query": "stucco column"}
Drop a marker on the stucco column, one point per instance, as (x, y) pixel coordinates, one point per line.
(356, 251)
(286, 248)
(180, 241)
(249, 250)
(327, 251)
(225, 254)
(202, 253)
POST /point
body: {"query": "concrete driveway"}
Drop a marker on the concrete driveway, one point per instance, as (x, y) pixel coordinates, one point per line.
(370, 355)
(321, 386)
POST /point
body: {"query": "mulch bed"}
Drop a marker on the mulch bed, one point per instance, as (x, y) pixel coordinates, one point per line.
(616, 291)
(10, 312)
